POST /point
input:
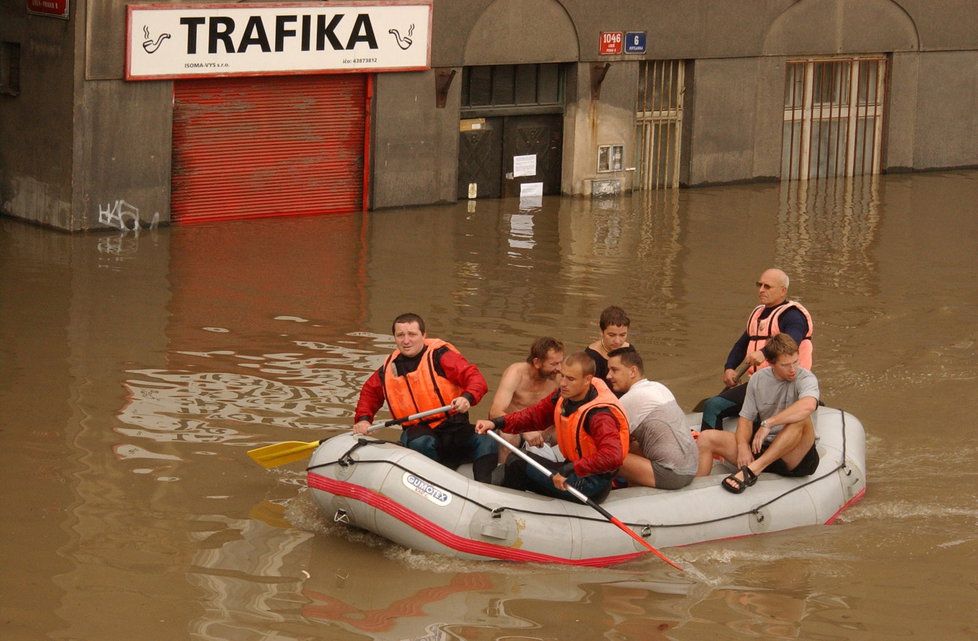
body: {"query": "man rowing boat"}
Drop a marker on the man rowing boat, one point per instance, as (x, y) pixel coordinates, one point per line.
(423, 374)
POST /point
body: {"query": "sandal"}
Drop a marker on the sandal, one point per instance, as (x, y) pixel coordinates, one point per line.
(736, 485)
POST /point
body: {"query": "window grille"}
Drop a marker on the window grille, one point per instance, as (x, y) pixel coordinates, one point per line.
(501, 86)
(659, 123)
(833, 117)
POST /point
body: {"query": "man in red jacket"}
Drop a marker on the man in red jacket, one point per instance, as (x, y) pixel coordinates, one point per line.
(592, 433)
(423, 374)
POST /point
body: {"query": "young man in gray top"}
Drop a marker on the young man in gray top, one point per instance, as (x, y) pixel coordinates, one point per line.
(783, 397)
(663, 453)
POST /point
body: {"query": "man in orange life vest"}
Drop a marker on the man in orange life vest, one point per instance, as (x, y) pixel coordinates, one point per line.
(420, 375)
(592, 433)
(774, 314)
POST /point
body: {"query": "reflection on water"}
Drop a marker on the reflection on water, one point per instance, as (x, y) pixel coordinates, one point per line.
(826, 231)
(248, 576)
(135, 371)
(237, 396)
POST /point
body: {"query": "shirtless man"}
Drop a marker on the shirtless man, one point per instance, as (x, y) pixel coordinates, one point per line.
(523, 384)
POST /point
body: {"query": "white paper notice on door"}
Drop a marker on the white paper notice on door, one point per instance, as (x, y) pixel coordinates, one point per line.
(525, 165)
(531, 195)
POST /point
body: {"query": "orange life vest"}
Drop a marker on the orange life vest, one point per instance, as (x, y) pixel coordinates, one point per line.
(760, 331)
(421, 390)
(574, 441)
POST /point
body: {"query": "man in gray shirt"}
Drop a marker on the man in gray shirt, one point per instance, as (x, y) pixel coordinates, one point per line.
(782, 397)
(663, 453)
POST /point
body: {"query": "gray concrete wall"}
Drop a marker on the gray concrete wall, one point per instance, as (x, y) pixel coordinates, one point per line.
(36, 126)
(723, 120)
(946, 126)
(589, 124)
(79, 139)
(415, 145)
(768, 117)
(900, 124)
(122, 161)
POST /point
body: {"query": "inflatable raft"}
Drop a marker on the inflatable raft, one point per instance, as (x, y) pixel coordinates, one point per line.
(401, 495)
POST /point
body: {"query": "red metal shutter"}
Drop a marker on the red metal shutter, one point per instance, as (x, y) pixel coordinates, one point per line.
(268, 146)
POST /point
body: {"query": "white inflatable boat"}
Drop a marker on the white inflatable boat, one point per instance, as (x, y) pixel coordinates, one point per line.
(401, 495)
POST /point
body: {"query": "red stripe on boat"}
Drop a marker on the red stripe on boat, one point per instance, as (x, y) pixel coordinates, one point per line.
(445, 537)
(855, 499)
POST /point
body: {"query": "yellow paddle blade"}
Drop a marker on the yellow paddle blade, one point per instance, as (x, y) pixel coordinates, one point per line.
(270, 456)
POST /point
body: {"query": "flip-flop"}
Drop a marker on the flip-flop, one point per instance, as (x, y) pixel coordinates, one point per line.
(736, 485)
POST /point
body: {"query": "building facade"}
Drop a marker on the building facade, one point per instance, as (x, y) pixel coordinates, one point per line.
(509, 98)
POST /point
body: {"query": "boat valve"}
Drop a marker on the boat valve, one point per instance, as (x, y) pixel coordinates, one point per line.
(341, 517)
(646, 531)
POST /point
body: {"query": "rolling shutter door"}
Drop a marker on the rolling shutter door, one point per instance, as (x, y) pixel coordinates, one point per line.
(268, 146)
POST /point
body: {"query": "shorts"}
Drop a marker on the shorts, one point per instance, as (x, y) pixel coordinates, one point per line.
(806, 466)
(667, 479)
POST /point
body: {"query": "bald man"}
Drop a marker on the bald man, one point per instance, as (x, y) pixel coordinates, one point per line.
(774, 314)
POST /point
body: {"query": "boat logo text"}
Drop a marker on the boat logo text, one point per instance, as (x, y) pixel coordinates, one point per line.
(431, 492)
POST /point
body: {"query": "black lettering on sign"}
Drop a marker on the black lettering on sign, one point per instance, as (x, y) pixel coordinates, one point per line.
(192, 24)
(221, 28)
(363, 31)
(254, 35)
(221, 31)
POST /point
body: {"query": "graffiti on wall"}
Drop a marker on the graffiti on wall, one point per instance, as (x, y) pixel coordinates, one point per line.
(125, 216)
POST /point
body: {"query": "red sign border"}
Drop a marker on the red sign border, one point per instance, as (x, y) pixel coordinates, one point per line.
(620, 45)
(219, 5)
(47, 14)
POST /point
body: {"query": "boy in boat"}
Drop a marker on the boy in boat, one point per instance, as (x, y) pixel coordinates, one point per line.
(524, 384)
(592, 433)
(613, 324)
(423, 374)
(662, 453)
(774, 314)
(774, 430)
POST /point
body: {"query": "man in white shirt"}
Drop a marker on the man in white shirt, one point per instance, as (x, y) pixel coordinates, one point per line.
(663, 453)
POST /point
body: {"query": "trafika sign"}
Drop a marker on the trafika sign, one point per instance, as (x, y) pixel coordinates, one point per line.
(246, 39)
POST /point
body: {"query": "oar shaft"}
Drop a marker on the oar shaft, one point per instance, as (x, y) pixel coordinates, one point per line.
(413, 417)
(584, 499)
(397, 421)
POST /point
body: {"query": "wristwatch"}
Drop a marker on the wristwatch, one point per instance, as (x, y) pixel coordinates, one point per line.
(764, 423)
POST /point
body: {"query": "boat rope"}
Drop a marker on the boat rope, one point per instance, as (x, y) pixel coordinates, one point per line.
(346, 460)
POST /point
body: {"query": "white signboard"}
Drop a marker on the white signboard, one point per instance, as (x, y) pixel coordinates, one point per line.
(525, 165)
(246, 39)
(531, 195)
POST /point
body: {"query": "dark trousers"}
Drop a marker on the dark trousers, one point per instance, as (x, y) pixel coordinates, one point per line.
(520, 475)
(725, 404)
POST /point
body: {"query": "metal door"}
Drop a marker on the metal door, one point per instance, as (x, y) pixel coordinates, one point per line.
(480, 148)
(268, 146)
(538, 136)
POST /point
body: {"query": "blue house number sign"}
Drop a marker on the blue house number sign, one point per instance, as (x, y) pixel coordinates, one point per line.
(635, 42)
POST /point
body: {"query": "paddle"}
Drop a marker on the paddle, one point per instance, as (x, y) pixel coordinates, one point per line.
(270, 456)
(583, 499)
(737, 374)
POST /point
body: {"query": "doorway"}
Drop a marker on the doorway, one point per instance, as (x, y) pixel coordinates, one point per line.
(511, 130)
(494, 152)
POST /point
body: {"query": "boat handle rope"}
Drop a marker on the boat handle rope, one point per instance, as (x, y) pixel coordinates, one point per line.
(646, 528)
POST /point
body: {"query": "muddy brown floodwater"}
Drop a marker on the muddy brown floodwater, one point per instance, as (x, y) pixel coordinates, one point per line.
(136, 370)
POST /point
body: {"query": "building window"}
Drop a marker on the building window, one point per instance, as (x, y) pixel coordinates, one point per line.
(10, 68)
(833, 117)
(610, 157)
(508, 86)
(659, 123)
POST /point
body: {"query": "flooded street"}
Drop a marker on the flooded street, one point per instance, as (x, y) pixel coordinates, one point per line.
(137, 370)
